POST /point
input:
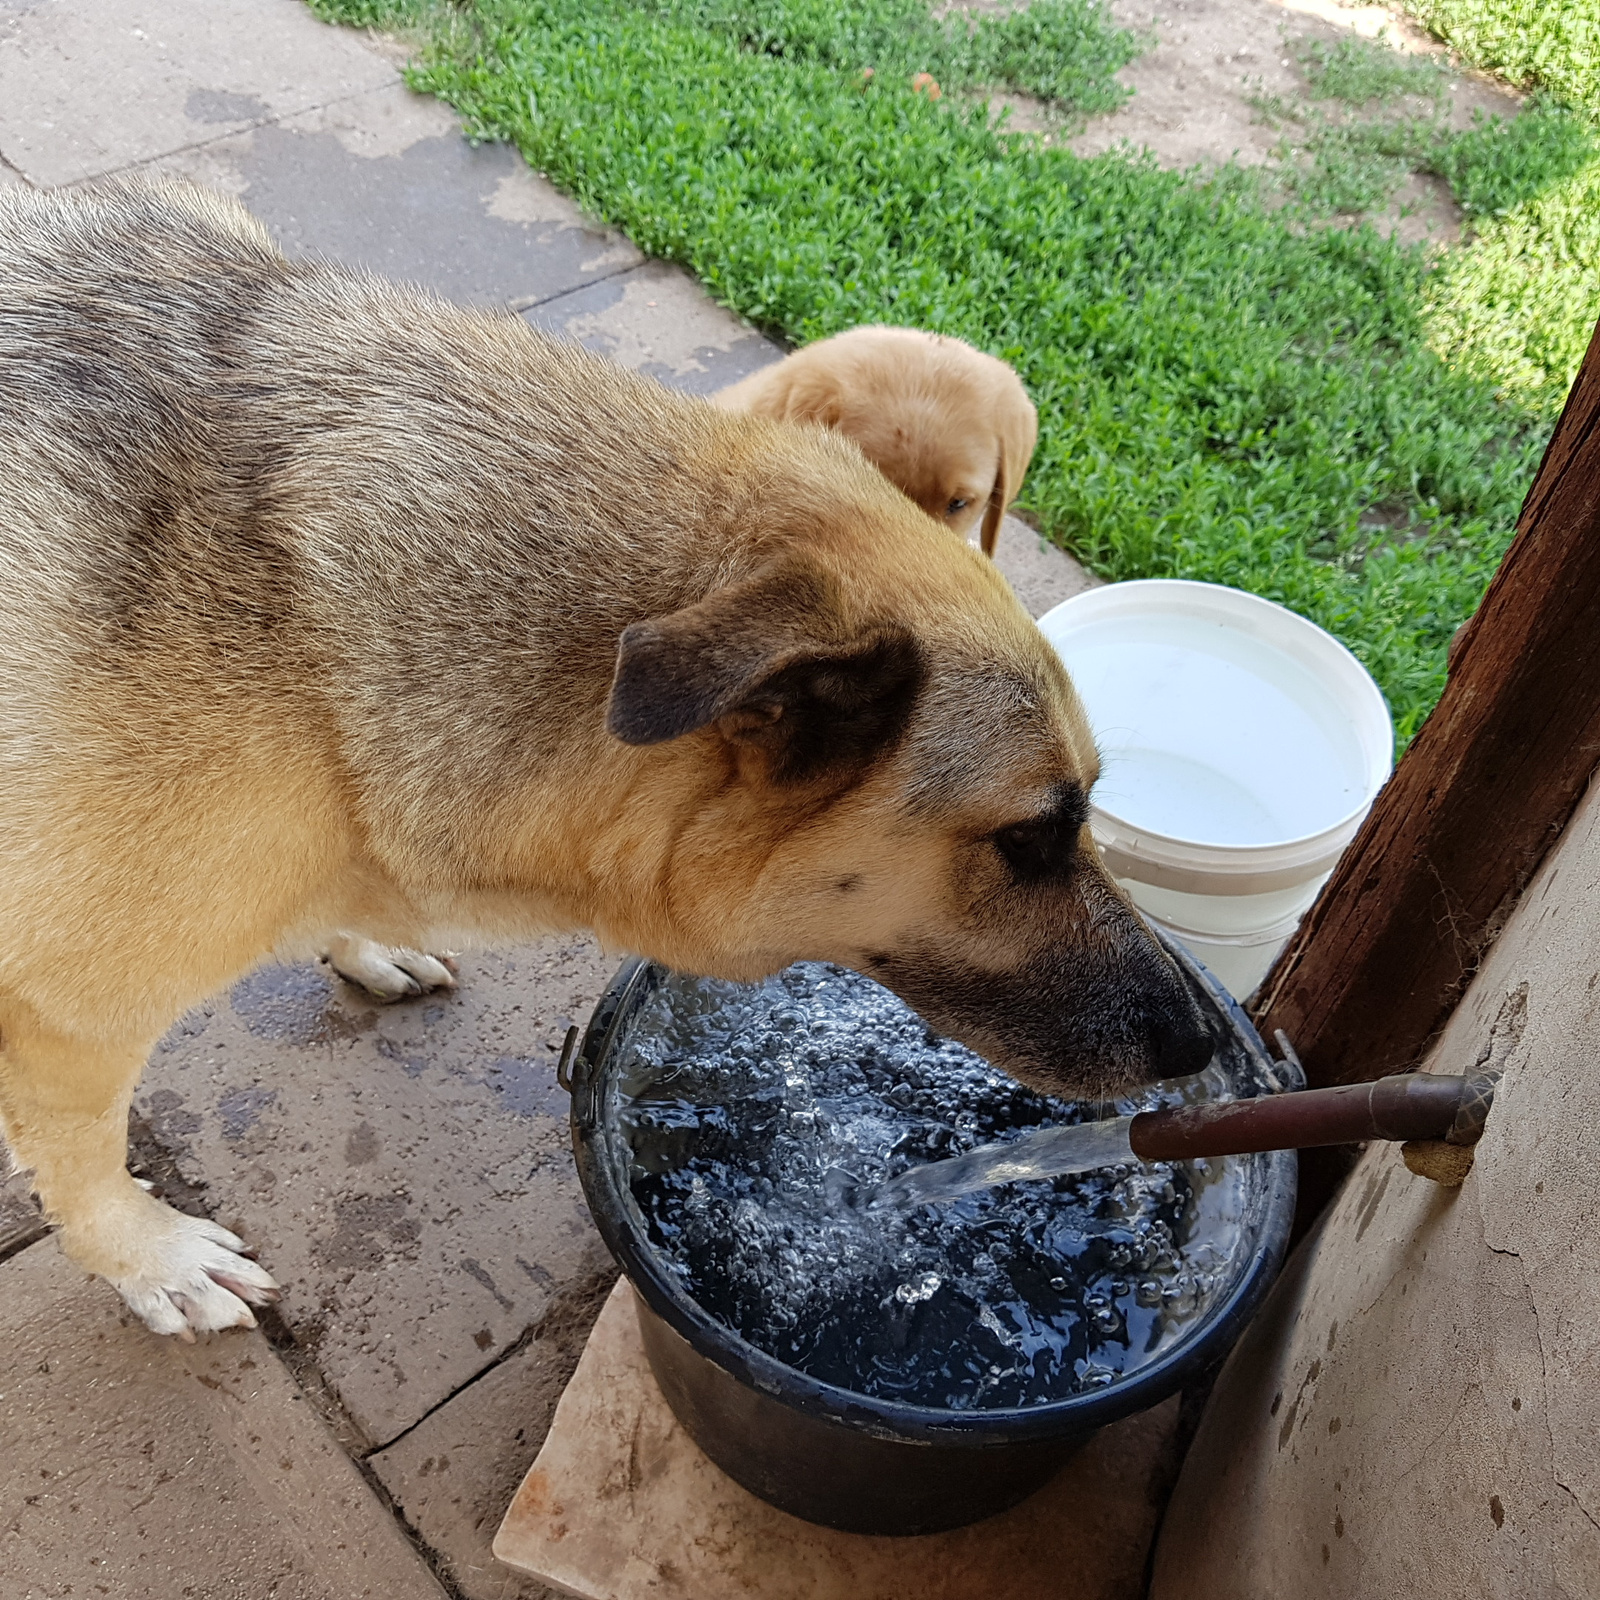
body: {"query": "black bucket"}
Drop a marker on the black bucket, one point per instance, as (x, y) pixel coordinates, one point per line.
(851, 1461)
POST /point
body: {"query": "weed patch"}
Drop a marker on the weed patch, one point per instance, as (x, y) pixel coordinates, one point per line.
(1384, 117)
(1518, 307)
(1500, 165)
(1360, 72)
(1062, 51)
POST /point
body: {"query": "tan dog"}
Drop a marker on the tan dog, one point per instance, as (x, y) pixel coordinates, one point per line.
(950, 426)
(325, 606)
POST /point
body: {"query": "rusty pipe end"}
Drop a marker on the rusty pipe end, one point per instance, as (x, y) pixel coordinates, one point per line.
(1477, 1098)
(1447, 1161)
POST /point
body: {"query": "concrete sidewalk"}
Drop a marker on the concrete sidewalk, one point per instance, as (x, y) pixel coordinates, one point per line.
(404, 1171)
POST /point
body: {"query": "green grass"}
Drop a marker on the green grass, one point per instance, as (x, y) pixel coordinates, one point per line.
(1549, 44)
(1227, 390)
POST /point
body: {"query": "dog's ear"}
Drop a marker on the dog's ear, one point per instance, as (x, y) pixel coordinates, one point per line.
(812, 394)
(995, 512)
(765, 661)
(1019, 432)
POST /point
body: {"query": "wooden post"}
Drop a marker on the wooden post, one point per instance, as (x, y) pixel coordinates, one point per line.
(1484, 791)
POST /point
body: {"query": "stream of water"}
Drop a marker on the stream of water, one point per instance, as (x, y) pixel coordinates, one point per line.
(1044, 1153)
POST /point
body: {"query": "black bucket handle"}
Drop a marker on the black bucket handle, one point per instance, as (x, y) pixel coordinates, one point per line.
(564, 1065)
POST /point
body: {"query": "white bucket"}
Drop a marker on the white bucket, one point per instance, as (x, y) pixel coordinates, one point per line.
(1241, 747)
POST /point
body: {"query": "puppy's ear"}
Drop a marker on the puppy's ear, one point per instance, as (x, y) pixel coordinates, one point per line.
(813, 394)
(995, 512)
(1018, 429)
(767, 662)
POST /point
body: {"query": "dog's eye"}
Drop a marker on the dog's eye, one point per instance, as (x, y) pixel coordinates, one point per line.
(1022, 845)
(1044, 847)
(956, 505)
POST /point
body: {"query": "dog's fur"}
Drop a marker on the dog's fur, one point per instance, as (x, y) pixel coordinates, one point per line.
(326, 606)
(950, 426)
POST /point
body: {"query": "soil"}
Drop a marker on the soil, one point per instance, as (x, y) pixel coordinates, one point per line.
(1192, 90)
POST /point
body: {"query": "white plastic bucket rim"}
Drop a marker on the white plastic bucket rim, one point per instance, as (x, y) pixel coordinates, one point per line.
(1147, 855)
(1217, 869)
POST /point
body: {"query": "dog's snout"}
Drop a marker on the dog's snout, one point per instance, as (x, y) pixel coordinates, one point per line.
(1178, 1040)
(1080, 1024)
(1180, 1044)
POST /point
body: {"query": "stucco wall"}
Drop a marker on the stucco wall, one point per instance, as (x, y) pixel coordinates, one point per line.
(1416, 1413)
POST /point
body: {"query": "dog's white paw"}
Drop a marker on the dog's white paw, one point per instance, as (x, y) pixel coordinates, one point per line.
(186, 1275)
(385, 972)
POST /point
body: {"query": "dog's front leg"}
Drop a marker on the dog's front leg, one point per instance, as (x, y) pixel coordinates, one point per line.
(64, 1112)
(385, 971)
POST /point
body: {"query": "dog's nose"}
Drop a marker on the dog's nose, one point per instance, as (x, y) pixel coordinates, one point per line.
(1179, 1042)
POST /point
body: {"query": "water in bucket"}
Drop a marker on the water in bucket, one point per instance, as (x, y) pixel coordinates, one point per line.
(750, 1114)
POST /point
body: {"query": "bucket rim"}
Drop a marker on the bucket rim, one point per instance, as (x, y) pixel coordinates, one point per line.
(1082, 1413)
(1184, 868)
(1201, 855)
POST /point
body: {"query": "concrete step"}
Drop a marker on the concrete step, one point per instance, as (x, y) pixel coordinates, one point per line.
(151, 1470)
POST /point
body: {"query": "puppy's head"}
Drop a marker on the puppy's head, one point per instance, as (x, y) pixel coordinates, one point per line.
(949, 426)
(869, 754)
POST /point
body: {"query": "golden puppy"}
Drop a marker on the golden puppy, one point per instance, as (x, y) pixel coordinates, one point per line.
(950, 426)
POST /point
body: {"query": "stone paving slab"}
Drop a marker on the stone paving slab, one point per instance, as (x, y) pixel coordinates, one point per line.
(1041, 574)
(453, 1475)
(659, 321)
(405, 1171)
(384, 180)
(143, 1469)
(20, 1222)
(622, 1505)
(91, 86)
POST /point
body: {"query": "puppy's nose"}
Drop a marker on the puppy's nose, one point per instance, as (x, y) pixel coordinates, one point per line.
(1179, 1042)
